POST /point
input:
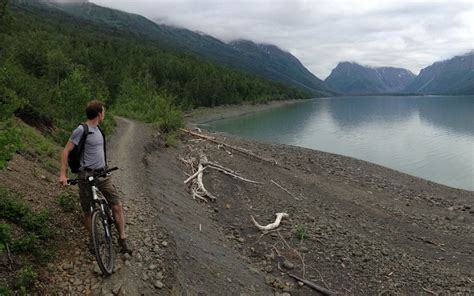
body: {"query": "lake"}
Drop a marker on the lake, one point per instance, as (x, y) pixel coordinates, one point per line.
(431, 137)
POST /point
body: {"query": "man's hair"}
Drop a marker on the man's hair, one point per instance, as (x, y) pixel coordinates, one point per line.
(94, 108)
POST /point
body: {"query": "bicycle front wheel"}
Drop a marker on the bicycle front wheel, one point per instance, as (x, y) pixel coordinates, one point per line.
(103, 246)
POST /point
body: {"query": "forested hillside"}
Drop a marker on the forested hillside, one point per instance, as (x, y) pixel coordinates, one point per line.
(267, 61)
(52, 64)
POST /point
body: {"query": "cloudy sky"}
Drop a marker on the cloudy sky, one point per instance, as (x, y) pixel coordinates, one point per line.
(320, 33)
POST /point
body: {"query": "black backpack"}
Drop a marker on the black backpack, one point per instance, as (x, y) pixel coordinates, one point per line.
(74, 158)
(76, 154)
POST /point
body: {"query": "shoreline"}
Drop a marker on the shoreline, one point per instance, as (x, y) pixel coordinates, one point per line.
(361, 221)
(200, 117)
(204, 115)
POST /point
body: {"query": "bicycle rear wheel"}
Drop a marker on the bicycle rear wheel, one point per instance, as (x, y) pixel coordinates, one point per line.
(103, 245)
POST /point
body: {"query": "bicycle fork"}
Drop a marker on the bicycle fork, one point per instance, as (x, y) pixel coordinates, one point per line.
(102, 210)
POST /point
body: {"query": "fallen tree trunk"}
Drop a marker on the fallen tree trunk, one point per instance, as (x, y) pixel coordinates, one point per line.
(241, 150)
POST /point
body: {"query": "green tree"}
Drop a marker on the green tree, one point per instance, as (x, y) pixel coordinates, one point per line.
(59, 66)
(72, 97)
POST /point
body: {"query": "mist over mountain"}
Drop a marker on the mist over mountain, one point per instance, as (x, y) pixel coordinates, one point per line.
(264, 60)
(454, 76)
(352, 78)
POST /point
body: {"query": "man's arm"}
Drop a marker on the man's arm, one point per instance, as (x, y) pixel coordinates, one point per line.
(64, 156)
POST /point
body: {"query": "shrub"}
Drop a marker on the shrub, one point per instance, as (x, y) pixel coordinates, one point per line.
(36, 222)
(5, 291)
(26, 278)
(10, 143)
(25, 244)
(17, 212)
(141, 101)
(170, 120)
(171, 139)
(66, 202)
(5, 237)
(10, 209)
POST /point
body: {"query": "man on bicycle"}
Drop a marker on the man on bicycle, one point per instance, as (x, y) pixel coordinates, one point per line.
(93, 161)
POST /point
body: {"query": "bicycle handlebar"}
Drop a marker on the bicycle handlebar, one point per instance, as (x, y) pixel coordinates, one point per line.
(97, 175)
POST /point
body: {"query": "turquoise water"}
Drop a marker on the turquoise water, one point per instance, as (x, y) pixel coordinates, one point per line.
(431, 137)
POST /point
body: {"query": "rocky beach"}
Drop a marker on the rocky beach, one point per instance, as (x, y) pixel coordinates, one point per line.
(353, 228)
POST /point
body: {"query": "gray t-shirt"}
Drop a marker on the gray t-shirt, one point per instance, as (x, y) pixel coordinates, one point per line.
(93, 148)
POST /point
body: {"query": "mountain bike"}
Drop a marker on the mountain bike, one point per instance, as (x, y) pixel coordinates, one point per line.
(102, 221)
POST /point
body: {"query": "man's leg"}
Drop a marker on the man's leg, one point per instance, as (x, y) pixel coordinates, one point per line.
(110, 192)
(88, 222)
(117, 210)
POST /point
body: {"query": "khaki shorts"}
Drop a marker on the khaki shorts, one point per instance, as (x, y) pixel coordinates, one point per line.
(105, 187)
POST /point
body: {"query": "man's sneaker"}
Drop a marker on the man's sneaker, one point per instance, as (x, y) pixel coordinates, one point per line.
(124, 247)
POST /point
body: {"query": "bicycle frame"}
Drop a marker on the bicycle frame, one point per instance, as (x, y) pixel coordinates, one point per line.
(101, 202)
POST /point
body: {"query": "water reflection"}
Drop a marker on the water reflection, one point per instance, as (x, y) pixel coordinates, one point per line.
(454, 113)
(429, 137)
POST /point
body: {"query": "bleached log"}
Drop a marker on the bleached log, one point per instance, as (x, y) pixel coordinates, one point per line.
(195, 174)
(270, 226)
(201, 184)
(235, 176)
(241, 150)
(196, 194)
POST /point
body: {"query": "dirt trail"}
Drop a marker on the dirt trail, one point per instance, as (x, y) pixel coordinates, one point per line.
(164, 225)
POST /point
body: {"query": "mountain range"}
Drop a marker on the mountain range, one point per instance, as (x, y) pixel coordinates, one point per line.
(265, 60)
(450, 77)
(354, 79)
(454, 76)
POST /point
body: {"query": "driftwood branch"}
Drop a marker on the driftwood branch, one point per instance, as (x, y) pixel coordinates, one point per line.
(199, 179)
(195, 174)
(233, 175)
(197, 195)
(284, 189)
(429, 291)
(241, 150)
(270, 226)
(312, 285)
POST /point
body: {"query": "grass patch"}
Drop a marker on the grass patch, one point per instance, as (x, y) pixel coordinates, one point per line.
(17, 212)
(5, 291)
(27, 233)
(16, 136)
(25, 279)
(10, 142)
(5, 237)
(25, 244)
(301, 232)
(34, 143)
(67, 202)
(171, 139)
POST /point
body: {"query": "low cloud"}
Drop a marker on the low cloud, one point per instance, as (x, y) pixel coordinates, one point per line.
(404, 34)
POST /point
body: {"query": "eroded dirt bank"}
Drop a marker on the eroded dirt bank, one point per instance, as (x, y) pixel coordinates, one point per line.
(354, 227)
